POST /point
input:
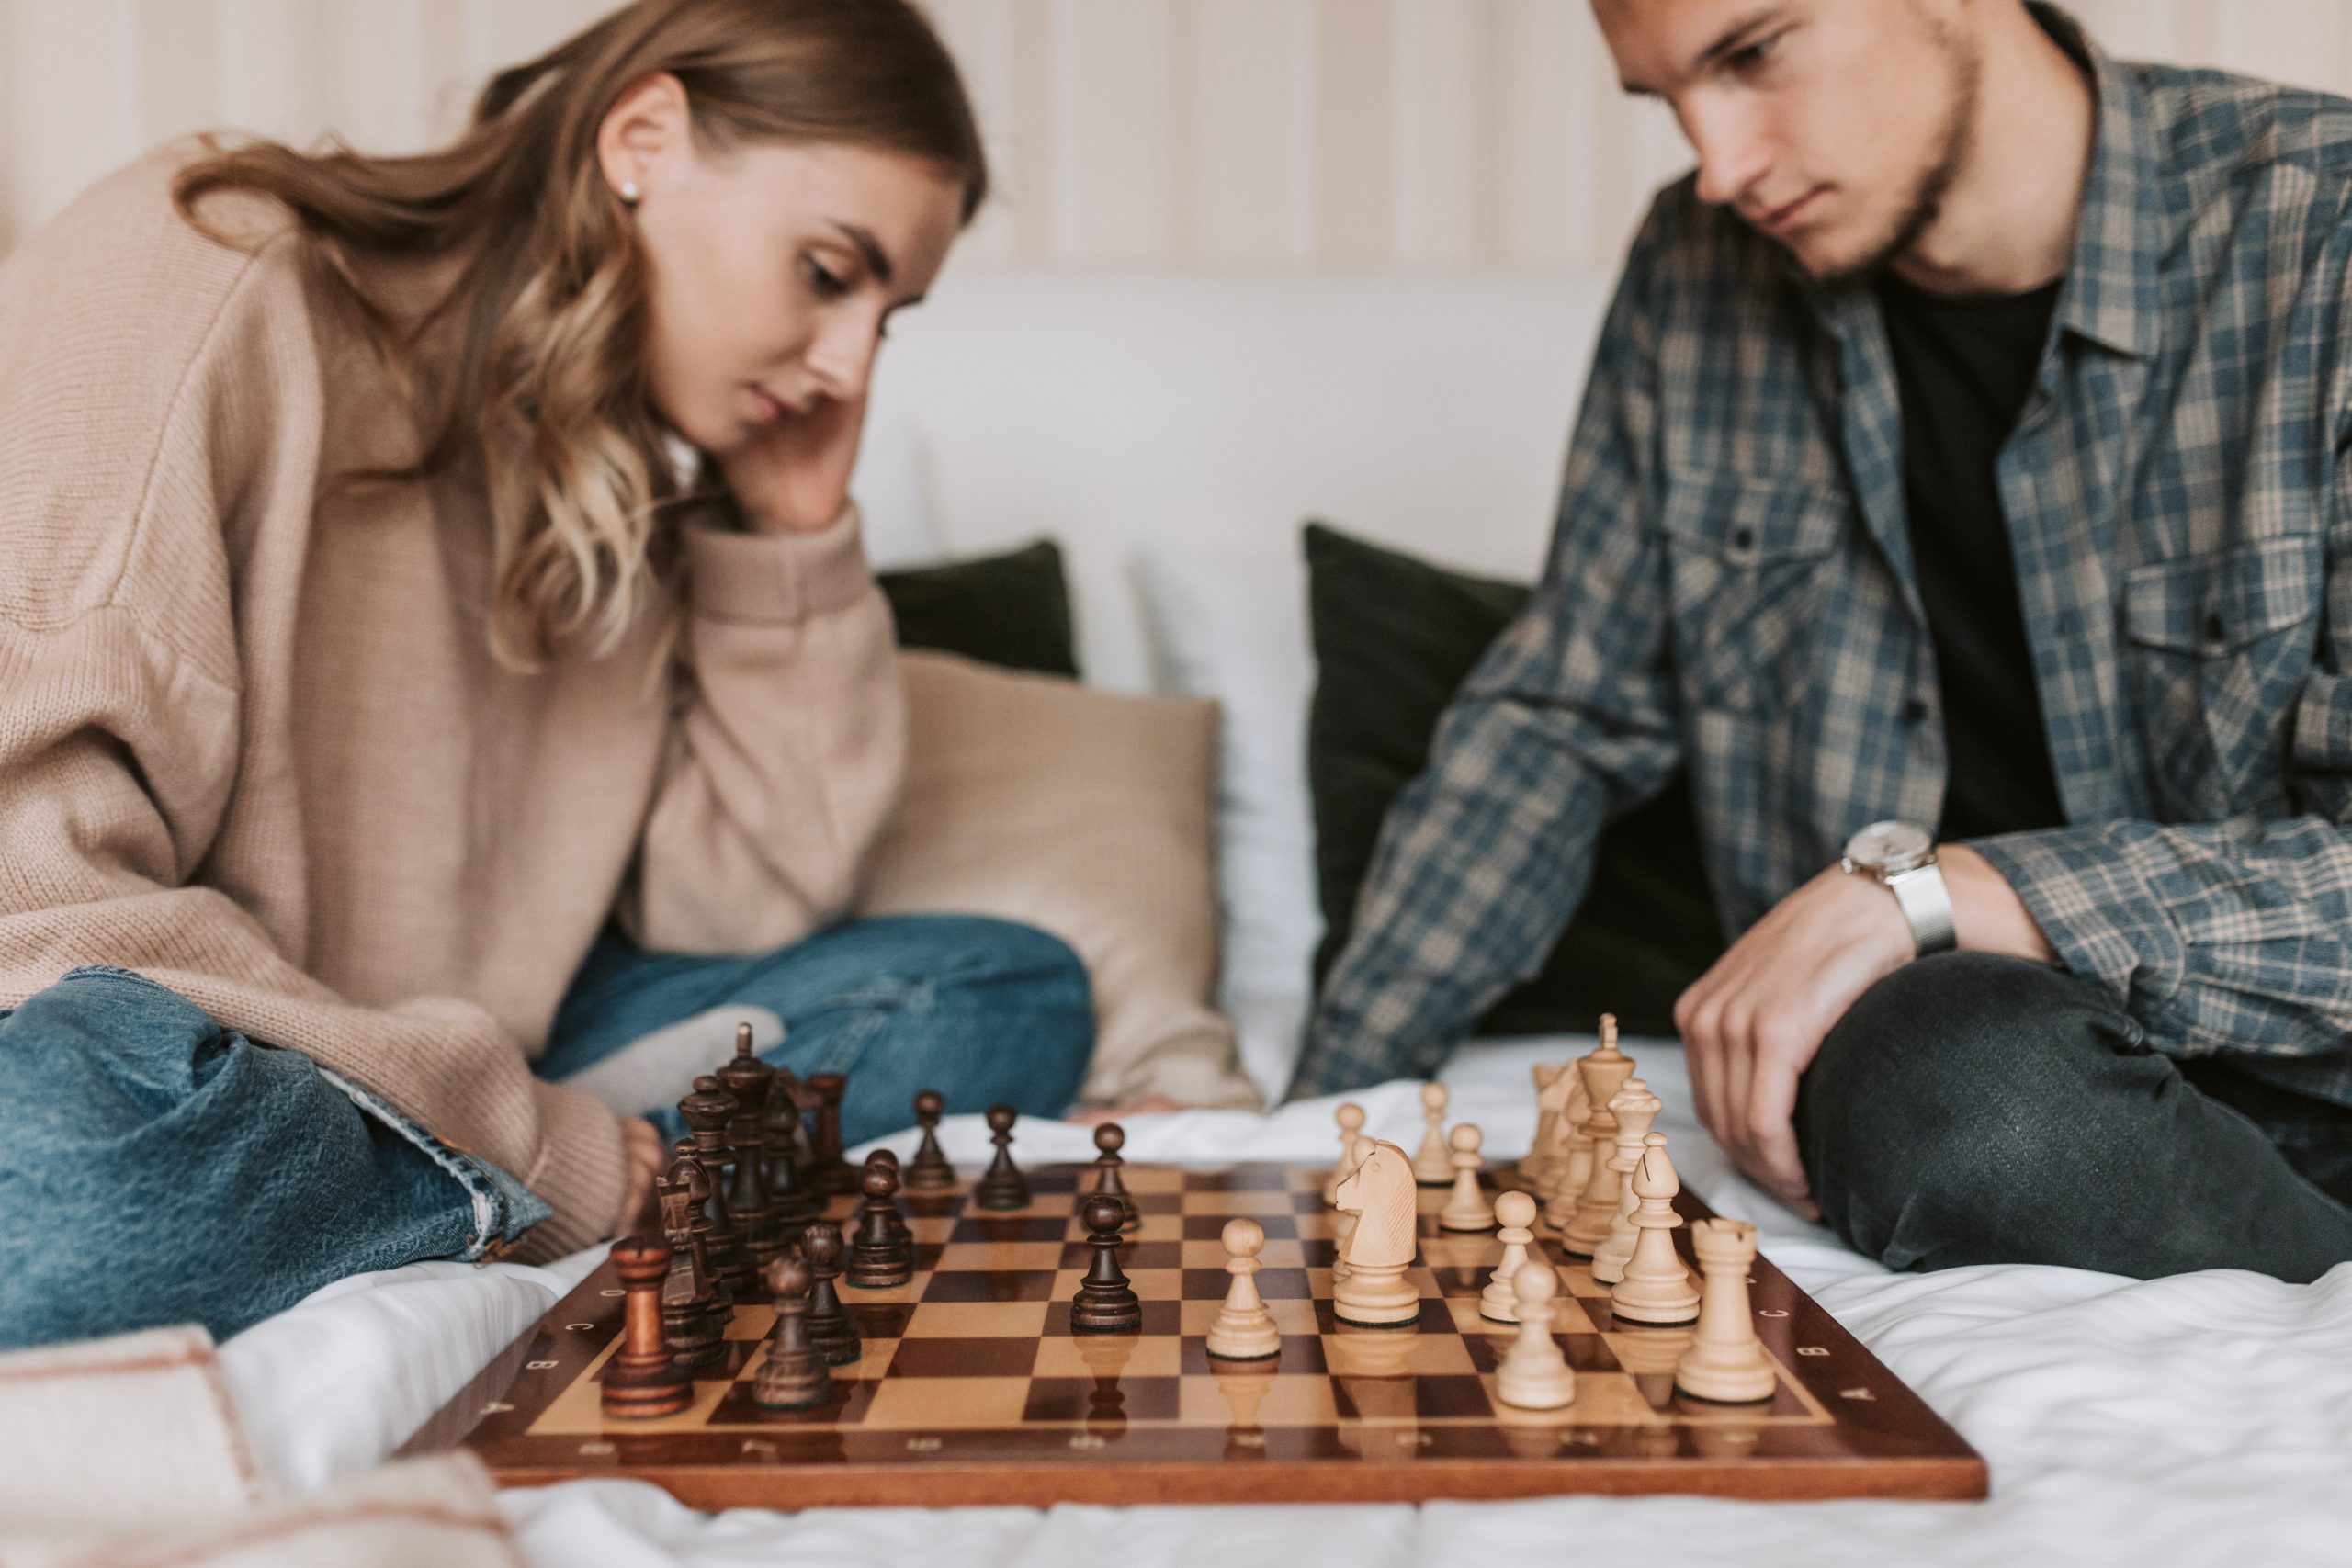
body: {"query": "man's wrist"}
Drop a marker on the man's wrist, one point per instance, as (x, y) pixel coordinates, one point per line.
(1986, 911)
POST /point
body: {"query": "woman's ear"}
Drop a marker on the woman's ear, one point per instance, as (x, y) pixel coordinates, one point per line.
(644, 136)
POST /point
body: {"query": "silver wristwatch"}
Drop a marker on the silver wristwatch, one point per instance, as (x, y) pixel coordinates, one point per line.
(1901, 856)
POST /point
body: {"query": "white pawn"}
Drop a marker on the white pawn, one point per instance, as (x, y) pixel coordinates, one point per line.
(1726, 1361)
(1656, 1287)
(1244, 1329)
(1350, 1117)
(1433, 1163)
(1534, 1374)
(1517, 1212)
(1467, 1208)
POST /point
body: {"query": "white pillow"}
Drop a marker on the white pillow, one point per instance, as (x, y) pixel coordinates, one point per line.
(1231, 625)
(892, 485)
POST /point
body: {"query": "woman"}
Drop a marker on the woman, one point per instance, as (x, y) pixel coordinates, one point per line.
(437, 637)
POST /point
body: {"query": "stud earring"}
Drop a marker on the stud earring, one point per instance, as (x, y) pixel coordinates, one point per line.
(629, 193)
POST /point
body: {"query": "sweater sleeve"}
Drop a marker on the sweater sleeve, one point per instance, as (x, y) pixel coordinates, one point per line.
(787, 751)
(155, 394)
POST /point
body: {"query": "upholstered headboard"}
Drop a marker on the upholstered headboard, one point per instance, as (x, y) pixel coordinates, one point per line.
(1108, 408)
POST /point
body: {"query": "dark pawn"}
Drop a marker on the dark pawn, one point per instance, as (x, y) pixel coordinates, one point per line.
(794, 1376)
(829, 1174)
(1106, 1302)
(722, 1301)
(830, 1328)
(692, 1325)
(707, 1112)
(898, 1220)
(882, 1255)
(1109, 1138)
(791, 1203)
(929, 1170)
(748, 1081)
(644, 1379)
(788, 1129)
(1003, 1187)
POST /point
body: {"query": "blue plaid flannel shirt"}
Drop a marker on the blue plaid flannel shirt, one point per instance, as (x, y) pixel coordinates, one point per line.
(1730, 584)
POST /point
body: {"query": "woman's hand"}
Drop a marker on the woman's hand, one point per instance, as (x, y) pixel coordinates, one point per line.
(645, 1158)
(793, 478)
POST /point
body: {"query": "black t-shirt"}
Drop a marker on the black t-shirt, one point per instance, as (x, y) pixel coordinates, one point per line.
(1964, 364)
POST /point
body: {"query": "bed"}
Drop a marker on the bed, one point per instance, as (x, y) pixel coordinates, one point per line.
(2198, 1420)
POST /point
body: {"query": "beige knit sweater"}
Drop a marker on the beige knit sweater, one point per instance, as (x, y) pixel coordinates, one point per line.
(252, 743)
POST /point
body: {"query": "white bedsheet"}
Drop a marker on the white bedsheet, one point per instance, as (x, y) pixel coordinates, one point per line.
(2202, 1419)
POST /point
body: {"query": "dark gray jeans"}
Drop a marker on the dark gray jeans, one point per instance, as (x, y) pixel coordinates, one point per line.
(1975, 1109)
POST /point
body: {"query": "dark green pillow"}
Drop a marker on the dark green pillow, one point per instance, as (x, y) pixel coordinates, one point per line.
(1394, 638)
(1010, 610)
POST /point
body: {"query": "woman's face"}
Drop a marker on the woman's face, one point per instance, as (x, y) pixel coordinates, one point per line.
(775, 266)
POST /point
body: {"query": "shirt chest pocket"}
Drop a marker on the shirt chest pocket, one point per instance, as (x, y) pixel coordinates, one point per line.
(1749, 568)
(2217, 649)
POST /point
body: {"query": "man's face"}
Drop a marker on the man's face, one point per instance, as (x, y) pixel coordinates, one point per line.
(1833, 125)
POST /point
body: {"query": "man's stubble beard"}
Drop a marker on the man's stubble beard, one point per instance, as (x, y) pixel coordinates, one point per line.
(1954, 143)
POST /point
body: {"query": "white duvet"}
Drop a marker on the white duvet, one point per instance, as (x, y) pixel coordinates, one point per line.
(2202, 1419)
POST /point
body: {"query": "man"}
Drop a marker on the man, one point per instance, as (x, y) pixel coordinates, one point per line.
(1961, 490)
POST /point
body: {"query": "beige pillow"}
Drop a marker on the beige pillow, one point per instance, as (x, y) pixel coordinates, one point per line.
(1088, 814)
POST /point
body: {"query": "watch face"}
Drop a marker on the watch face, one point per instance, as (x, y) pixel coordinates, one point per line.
(1890, 846)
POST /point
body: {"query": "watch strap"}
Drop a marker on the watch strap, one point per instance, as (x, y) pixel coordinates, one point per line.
(1926, 904)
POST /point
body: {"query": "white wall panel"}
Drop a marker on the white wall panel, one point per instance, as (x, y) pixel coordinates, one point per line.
(1286, 134)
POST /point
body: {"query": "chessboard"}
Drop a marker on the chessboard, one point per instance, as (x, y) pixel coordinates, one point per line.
(972, 1389)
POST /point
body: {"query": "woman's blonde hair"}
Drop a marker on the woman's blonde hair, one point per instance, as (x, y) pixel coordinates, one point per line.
(546, 381)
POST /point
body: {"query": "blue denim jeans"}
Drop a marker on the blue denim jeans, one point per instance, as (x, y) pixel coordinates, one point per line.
(155, 1168)
(983, 1010)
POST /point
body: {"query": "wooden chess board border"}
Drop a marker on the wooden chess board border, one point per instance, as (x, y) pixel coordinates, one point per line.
(1860, 1433)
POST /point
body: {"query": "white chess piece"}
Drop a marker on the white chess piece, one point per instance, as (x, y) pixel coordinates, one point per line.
(1541, 1163)
(1636, 1108)
(1726, 1361)
(1244, 1329)
(1656, 1287)
(1467, 1208)
(1517, 1212)
(1433, 1162)
(1534, 1374)
(1374, 1292)
(1605, 1071)
(1349, 1116)
(1574, 1167)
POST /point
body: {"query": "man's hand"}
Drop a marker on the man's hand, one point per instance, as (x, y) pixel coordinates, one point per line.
(793, 478)
(1751, 1024)
(644, 1154)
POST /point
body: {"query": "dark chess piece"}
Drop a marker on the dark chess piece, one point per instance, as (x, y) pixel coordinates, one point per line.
(643, 1378)
(929, 1170)
(791, 1203)
(795, 1374)
(830, 1328)
(788, 1128)
(707, 1112)
(898, 1220)
(830, 1176)
(882, 1255)
(692, 1325)
(748, 1081)
(1106, 1303)
(1003, 1187)
(722, 1300)
(1109, 1138)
